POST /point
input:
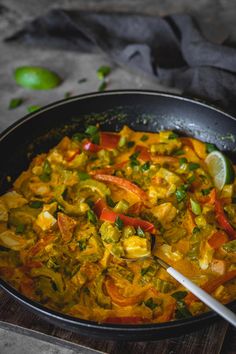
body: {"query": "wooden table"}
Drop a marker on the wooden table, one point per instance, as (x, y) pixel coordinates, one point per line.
(217, 338)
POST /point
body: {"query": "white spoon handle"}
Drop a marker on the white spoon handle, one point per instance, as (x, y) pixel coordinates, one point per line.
(215, 305)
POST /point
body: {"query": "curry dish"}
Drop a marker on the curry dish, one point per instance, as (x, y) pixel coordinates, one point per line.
(80, 229)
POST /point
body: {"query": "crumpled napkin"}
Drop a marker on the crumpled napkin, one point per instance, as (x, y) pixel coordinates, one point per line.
(171, 49)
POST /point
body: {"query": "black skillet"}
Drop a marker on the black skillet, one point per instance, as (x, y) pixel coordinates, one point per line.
(140, 110)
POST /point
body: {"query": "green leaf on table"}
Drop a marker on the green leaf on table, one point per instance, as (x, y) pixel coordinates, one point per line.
(15, 102)
(33, 108)
(102, 86)
(103, 71)
(82, 80)
(67, 94)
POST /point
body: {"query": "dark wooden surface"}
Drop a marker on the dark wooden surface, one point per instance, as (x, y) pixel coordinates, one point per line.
(217, 338)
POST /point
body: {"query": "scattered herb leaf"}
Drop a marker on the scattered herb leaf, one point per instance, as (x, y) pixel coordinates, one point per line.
(36, 204)
(150, 303)
(205, 191)
(33, 108)
(78, 136)
(83, 175)
(173, 136)
(179, 152)
(179, 295)
(91, 217)
(193, 166)
(130, 144)
(103, 72)
(110, 201)
(180, 193)
(145, 166)
(82, 245)
(20, 229)
(102, 86)
(196, 229)
(144, 137)
(182, 161)
(210, 147)
(15, 102)
(140, 232)
(119, 223)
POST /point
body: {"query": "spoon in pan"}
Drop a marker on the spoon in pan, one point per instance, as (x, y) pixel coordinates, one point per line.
(201, 294)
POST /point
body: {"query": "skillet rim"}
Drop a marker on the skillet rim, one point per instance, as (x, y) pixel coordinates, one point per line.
(63, 101)
(123, 329)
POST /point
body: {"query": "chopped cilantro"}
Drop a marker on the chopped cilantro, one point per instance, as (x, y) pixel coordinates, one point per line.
(173, 136)
(182, 161)
(179, 295)
(20, 229)
(140, 232)
(179, 152)
(83, 175)
(82, 244)
(193, 166)
(150, 303)
(181, 310)
(180, 193)
(144, 137)
(110, 201)
(119, 223)
(205, 191)
(91, 217)
(78, 136)
(93, 132)
(130, 144)
(210, 147)
(196, 230)
(36, 204)
(145, 166)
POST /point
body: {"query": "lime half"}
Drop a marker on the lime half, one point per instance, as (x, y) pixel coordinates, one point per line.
(36, 78)
(220, 169)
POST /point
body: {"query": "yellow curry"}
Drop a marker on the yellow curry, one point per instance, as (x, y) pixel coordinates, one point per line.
(80, 229)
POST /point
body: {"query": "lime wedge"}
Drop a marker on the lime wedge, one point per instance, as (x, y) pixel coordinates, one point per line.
(36, 78)
(220, 169)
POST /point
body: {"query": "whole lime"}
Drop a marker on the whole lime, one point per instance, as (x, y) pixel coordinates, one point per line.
(36, 78)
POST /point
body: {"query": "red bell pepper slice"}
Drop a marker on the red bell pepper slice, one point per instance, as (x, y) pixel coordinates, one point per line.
(89, 146)
(144, 154)
(118, 298)
(122, 183)
(109, 215)
(99, 206)
(109, 140)
(105, 214)
(222, 219)
(212, 285)
(66, 226)
(217, 239)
